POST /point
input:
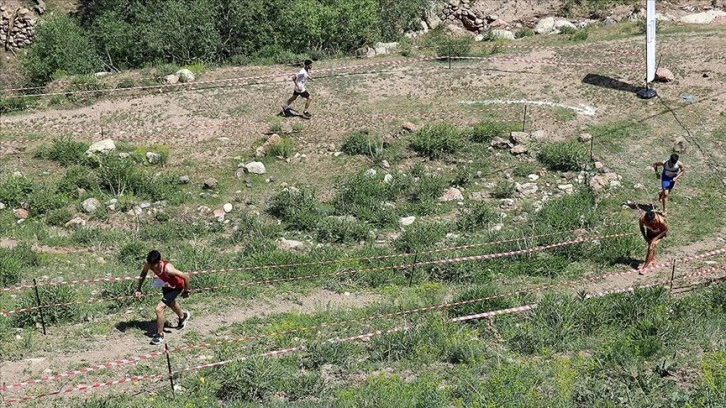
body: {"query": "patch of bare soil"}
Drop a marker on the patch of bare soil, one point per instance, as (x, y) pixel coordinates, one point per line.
(131, 336)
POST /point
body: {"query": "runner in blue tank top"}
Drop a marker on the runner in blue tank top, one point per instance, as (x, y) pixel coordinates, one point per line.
(672, 170)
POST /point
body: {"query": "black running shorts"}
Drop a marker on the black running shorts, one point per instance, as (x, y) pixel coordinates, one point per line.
(169, 295)
(304, 94)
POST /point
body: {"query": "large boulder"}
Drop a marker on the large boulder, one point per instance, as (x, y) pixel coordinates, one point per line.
(255, 167)
(103, 146)
(702, 18)
(502, 34)
(545, 26)
(185, 75)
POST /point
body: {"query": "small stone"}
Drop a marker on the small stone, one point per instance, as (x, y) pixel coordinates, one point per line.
(290, 245)
(260, 151)
(124, 155)
(21, 214)
(387, 178)
(532, 177)
(519, 137)
(452, 194)
(103, 146)
(371, 173)
(518, 149)
(584, 137)
(406, 221)
(409, 127)
(153, 158)
(567, 188)
(210, 183)
(90, 205)
(255, 168)
(227, 207)
(538, 135)
(184, 180)
(385, 164)
(2, 206)
(598, 165)
(219, 213)
(506, 202)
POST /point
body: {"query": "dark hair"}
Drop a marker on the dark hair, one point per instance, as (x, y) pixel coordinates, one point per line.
(153, 257)
(308, 62)
(650, 215)
(674, 158)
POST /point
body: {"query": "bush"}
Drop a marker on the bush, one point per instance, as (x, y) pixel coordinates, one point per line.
(139, 154)
(395, 17)
(436, 141)
(10, 104)
(567, 30)
(503, 189)
(60, 47)
(77, 177)
(579, 35)
(524, 169)
(298, 208)
(133, 254)
(341, 231)
(44, 199)
(15, 190)
(524, 32)
(58, 217)
(484, 132)
(563, 156)
(475, 216)
(14, 261)
(419, 236)
(284, 148)
(65, 151)
(363, 143)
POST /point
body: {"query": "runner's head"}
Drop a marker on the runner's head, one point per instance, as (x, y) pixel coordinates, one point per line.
(674, 158)
(308, 64)
(650, 215)
(154, 257)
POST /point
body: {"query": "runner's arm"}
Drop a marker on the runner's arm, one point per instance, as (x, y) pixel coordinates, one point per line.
(142, 277)
(642, 229)
(681, 170)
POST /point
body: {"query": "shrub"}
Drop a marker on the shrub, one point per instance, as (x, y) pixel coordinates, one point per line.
(579, 35)
(363, 143)
(475, 216)
(133, 254)
(455, 47)
(58, 217)
(364, 194)
(524, 32)
(567, 30)
(10, 104)
(341, 231)
(419, 236)
(298, 208)
(284, 148)
(50, 295)
(563, 156)
(44, 199)
(14, 261)
(65, 151)
(504, 189)
(436, 141)
(139, 154)
(568, 212)
(484, 132)
(395, 17)
(60, 46)
(15, 190)
(524, 169)
(77, 177)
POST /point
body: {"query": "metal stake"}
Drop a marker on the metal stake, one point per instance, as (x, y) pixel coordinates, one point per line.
(413, 268)
(40, 308)
(168, 366)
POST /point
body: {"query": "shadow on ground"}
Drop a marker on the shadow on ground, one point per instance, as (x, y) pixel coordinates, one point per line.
(610, 83)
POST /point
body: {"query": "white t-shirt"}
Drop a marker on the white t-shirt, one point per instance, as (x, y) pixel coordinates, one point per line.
(300, 80)
(669, 171)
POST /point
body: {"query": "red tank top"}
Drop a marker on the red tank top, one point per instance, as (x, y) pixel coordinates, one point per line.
(173, 281)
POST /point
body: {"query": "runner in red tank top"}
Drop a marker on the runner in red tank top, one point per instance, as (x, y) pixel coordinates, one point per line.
(173, 283)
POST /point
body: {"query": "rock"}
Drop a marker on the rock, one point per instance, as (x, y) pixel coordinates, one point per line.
(506, 203)
(260, 151)
(584, 137)
(103, 146)
(153, 158)
(406, 221)
(21, 213)
(502, 34)
(385, 164)
(124, 155)
(566, 188)
(538, 135)
(518, 137)
(23, 11)
(184, 180)
(185, 75)
(598, 165)
(499, 143)
(532, 177)
(210, 183)
(564, 23)
(101, 74)
(371, 173)
(290, 245)
(90, 205)
(526, 189)
(456, 31)
(545, 26)
(227, 207)
(518, 149)
(681, 145)
(452, 194)
(702, 18)
(219, 213)
(599, 182)
(255, 168)
(664, 75)
(387, 178)
(432, 20)
(2, 206)
(719, 20)
(75, 222)
(171, 79)
(409, 127)
(607, 21)
(478, 196)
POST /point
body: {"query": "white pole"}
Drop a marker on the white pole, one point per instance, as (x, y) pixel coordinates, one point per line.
(650, 41)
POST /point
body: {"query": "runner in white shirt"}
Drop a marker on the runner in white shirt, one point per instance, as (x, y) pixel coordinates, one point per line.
(672, 170)
(300, 90)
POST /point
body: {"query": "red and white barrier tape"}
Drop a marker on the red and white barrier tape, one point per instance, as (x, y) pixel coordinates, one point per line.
(357, 320)
(299, 264)
(549, 62)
